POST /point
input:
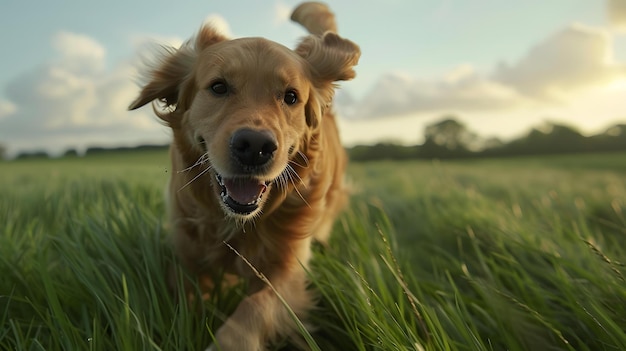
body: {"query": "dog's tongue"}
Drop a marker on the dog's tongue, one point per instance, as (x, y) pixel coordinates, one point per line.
(244, 191)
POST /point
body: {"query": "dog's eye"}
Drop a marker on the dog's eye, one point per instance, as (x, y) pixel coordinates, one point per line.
(290, 97)
(219, 88)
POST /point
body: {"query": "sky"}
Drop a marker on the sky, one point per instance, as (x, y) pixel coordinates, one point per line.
(68, 68)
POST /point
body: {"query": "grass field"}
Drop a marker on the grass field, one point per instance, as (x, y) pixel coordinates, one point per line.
(516, 254)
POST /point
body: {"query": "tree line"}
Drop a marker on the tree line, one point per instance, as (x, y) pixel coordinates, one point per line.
(91, 151)
(449, 139)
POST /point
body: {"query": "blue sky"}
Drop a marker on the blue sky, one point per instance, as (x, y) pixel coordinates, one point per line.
(67, 67)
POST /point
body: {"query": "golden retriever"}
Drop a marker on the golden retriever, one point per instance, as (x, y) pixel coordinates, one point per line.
(257, 164)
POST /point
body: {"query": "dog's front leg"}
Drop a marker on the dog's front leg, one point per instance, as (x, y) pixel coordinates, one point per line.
(262, 316)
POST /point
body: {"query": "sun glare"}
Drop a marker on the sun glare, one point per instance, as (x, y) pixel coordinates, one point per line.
(617, 85)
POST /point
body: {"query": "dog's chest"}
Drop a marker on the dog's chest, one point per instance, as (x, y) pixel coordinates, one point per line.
(236, 251)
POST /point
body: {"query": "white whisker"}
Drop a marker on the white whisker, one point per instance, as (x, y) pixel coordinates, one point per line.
(304, 158)
(282, 183)
(201, 161)
(292, 171)
(289, 171)
(196, 177)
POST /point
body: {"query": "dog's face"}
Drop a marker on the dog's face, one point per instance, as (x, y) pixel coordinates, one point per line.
(247, 107)
(248, 116)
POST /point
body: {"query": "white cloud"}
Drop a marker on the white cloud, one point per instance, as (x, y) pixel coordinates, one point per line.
(75, 101)
(7, 108)
(617, 14)
(461, 89)
(79, 52)
(573, 59)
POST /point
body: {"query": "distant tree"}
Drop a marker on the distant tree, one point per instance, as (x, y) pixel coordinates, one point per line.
(616, 131)
(550, 138)
(70, 153)
(451, 134)
(449, 138)
(565, 138)
(96, 150)
(3, 152)
(613, 139)
(492, 143)
(32, 155)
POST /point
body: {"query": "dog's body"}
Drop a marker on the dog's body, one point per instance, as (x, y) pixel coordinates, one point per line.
(257, 164)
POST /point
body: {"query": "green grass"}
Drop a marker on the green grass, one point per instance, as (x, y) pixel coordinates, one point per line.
(516, 254)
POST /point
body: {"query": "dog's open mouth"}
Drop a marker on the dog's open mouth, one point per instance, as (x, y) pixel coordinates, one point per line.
(241, 195)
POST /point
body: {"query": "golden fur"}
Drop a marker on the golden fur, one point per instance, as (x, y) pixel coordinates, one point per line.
(221, 98)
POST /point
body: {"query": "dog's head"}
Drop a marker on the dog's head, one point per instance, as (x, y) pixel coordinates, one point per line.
(247, 107)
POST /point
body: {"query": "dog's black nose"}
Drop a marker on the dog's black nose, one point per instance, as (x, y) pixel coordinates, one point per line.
(252, 148)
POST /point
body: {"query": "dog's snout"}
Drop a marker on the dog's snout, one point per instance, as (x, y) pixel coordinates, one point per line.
(253, 148)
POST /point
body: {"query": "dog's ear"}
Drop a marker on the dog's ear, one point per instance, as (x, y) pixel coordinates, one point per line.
(314, 109)
(331, 56)
(331, 59)
(165, 80)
